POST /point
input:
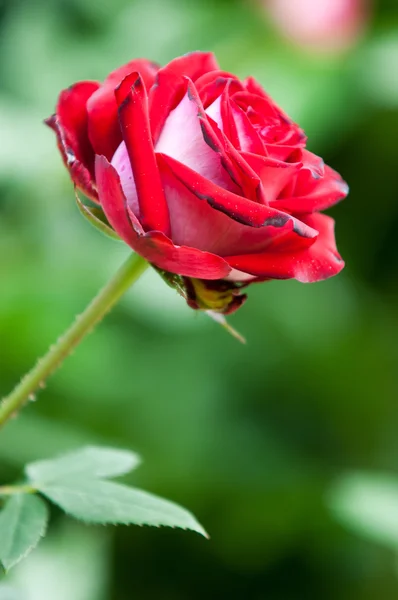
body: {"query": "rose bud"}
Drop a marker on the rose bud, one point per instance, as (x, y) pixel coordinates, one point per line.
(203, 175)
(325, 25)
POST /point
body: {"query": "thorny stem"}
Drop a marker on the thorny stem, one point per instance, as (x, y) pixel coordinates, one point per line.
(128, 273)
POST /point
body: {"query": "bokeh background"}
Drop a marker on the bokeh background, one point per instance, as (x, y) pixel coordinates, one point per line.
(286, 449)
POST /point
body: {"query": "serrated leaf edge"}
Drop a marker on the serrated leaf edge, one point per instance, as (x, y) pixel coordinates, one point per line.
(30, 548)
(199, 529)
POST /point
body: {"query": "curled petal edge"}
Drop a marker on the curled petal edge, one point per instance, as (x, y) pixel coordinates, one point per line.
(315, 263)
(79, 173)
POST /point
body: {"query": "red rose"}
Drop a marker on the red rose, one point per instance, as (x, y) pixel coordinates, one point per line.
(203, 175)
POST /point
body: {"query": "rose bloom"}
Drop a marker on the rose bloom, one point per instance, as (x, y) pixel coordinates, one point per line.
(203, 175)
(328, 25)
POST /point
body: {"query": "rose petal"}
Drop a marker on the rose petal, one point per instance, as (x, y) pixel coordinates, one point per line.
(229, 126)
(282, 152)
(248, 137)
(154, 246)
(134, 121)
(121, 162)
(104, 130)
(211, 85)
(195, 223)
(220, 109)
(236, 207)
(214, 112)
(314, 193)
(263, 105)
(192, 65)
(320, 261)
(70, 126)
(276, 127)
(182, 138)
(243, 173)
(313, 162)
(170, 85)
(274, 174)
(247, 183)
(254, 87)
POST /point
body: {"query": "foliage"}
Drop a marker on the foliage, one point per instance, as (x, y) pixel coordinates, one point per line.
(77, 483)
(368, 503)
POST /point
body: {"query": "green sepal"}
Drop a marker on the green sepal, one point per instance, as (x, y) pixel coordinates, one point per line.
(96, 216)
(214, 300)
(173, 280)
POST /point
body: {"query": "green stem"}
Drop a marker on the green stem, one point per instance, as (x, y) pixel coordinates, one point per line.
(128, 273)
(11, 490)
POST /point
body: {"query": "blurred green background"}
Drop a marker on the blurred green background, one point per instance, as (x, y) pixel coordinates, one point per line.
(251, 439)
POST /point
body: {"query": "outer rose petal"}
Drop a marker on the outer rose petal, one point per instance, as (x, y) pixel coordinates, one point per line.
(211, 85)
(183, 138)
(236, 207)
(314, 193)
(192, 65)
(153, 246)
(319, 261)
(273, 174)
(134, 121)
(170, 85)
(146, 68)
(255, 87)
(195, 223)
(313, 162)
(104, 130)
(70, 126)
